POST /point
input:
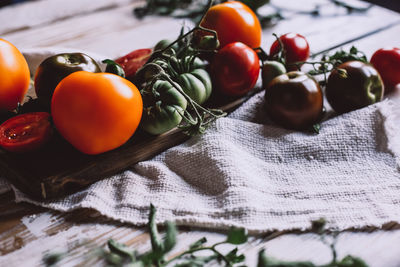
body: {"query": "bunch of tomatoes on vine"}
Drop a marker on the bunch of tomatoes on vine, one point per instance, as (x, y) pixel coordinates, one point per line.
(176, 83)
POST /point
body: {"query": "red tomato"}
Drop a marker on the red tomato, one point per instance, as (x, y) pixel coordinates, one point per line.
(234, 22)
(387, 62)
(295, 45)
(14, 76)
(235, 69)
(25, 132)
(134, 61)
(96, 112)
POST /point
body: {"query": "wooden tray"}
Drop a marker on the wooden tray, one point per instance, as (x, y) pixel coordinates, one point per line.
(58, 169)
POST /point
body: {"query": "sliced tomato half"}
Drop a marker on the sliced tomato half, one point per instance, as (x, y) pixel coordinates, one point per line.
(134, 61)
(25, 132)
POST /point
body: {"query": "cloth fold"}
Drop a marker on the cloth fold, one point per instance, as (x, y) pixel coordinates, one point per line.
(246, 171)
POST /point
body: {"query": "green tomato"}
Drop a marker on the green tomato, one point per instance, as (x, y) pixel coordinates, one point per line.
(270, 70)
(162, 107)
(196, 84)
(189, 73)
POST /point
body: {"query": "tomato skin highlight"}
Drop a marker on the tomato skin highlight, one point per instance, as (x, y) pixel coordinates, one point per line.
(387, 62)
(96, 112)
(14, 76)
(296, 47)
(235, 69)
(26, 132)
(234, 22)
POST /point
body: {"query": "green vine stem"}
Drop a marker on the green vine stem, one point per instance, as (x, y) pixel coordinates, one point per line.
(193, 250)
(199, 122)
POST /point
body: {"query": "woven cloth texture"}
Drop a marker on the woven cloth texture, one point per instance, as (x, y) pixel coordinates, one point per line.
(247, 171)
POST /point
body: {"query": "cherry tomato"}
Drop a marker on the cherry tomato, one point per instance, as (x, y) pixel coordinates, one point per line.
(14, 76)
(270, 70)
(234, 22)
(295, 45)
(235, 69)
(96, 112)
(359, 87)
(55, 68)
(294, 100)
(25, 132)
(134, 61)
(387, 62)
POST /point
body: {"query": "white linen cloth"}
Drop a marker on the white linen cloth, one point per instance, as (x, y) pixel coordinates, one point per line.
(246, 171)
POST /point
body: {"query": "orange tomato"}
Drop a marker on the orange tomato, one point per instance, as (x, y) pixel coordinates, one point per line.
(14, 76)
(234, 22)
(96, 112)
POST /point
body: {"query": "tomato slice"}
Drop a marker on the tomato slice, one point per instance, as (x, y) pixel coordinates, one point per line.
(25, 132)
(134, 61)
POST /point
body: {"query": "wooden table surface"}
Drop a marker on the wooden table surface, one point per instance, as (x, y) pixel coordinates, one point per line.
(107, 27)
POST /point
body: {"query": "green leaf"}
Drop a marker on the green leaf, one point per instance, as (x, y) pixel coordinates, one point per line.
(318, 226)
(114, 259)
(170, 236)
(121, 250)
(114, 67)
(264, 261)
(350, 261)
(198, 243)
(197, 261)
(316, 128)
(237, 236)
(156, 244)
(52, 259)
(233, 257)
(353, 50)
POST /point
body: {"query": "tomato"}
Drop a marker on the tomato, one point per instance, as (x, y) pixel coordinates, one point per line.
(55, 68)
(26, 132)
(270, 70)
(134, 61)
(387, 62)
(294, 100)
(96, 112)
(162, 109)
(14, 76)
(188, 72)
(360, 87)
(234, 22)
(235, 69)
(295, 45)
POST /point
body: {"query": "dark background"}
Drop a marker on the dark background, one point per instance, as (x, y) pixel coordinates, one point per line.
(391, 4)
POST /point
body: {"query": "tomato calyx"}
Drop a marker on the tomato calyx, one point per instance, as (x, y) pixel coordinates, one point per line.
(114, 68)
(26, 132)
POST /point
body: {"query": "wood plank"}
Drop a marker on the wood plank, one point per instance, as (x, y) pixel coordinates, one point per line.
(327, 32)
(32, 14)
(111, 33)
(73, 232)
(116, 32)
(52, 232)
